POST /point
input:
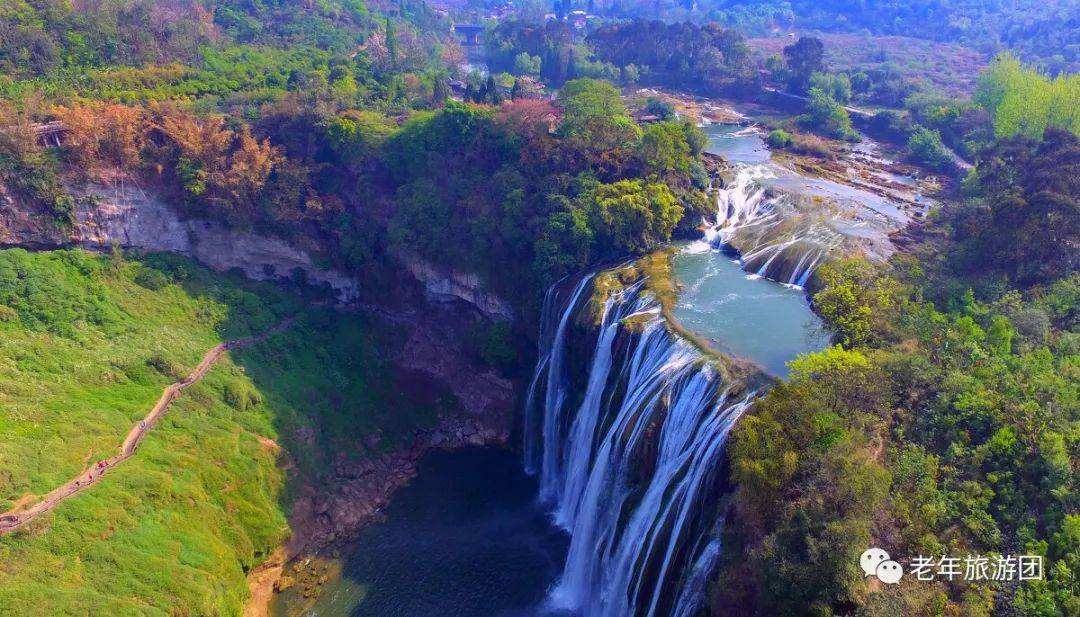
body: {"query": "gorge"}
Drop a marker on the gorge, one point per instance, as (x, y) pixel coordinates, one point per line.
(626, 415)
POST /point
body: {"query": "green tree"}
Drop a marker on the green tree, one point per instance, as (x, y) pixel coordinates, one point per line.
(392, 49)
(595, 123)
(837, 85)
(1022, 101)
(926, 148)
(525, 64)
(804, 58)
(359, 135)
(631, 216)
(824, 114)
(852, 297)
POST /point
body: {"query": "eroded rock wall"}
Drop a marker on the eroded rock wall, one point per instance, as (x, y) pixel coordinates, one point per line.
(133, 218)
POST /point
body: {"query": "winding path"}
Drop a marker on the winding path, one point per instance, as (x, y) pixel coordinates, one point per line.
(14, 519)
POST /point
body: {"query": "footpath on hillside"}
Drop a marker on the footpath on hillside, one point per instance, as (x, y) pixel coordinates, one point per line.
(20, 516)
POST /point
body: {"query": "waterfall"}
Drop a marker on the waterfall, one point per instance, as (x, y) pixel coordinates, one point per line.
(775, 235)
(631, 469)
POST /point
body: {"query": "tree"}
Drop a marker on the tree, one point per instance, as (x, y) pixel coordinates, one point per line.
(492, 92)
(359, 135)
(837, 86)
(595, 123)
(804, 58)
(392, 50)
(1022, 101)
(926, 148)
(824, 114)
(524, 64)
(103, 133)
(851, 299)
(1029, 225)
(806, 483)
(440, 91)
(778, 69)
(664, 149)
(565, 244)
(631, 216)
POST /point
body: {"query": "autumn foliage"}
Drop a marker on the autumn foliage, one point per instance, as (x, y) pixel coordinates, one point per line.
(103, 133)
(216, 168)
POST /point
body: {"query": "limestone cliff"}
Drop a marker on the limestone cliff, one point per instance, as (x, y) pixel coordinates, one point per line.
(449, 284)
(133, 218)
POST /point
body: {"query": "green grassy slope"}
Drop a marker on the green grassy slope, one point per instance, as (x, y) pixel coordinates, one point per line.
(85, 351)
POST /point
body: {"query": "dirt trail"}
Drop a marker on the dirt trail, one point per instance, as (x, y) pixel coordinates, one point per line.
(21, 515)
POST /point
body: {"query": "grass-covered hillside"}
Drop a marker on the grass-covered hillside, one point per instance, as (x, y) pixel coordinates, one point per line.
(87, 343)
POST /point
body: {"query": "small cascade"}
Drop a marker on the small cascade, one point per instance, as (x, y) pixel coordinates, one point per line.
(629, 461)
(768, 228)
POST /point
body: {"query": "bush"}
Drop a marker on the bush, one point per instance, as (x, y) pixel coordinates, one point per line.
(166, 367)
(926, 148)
(825, 115)
(811, 145)
(151, 279)
(240, 396)
(780, 138)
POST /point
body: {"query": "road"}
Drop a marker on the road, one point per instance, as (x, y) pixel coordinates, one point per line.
(14, 519)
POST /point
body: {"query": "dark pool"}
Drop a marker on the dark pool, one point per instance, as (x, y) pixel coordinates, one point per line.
(466, 538)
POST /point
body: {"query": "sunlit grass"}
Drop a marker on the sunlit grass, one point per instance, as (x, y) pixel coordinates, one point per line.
(173, 529)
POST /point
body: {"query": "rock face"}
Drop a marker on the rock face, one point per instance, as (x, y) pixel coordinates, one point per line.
(26, 226)
(125, 214)
(449, 284)
(135, 219)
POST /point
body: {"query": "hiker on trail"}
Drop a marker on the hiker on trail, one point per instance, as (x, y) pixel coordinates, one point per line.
(142, 424)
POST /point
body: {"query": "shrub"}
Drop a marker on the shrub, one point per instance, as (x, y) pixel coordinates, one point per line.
(240, 396)
(926, 148)
(496, 346)
(811, 145)
(827, 116)
(780, 138)
(151, 279)
(165, 366)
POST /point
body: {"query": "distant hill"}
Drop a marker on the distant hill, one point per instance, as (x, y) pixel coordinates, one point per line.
(1046, 33)
(948, 68)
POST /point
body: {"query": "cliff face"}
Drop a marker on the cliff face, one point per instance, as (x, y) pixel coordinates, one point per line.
(133, 218)
(449, 284)
(127, 215)
(26, 225)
